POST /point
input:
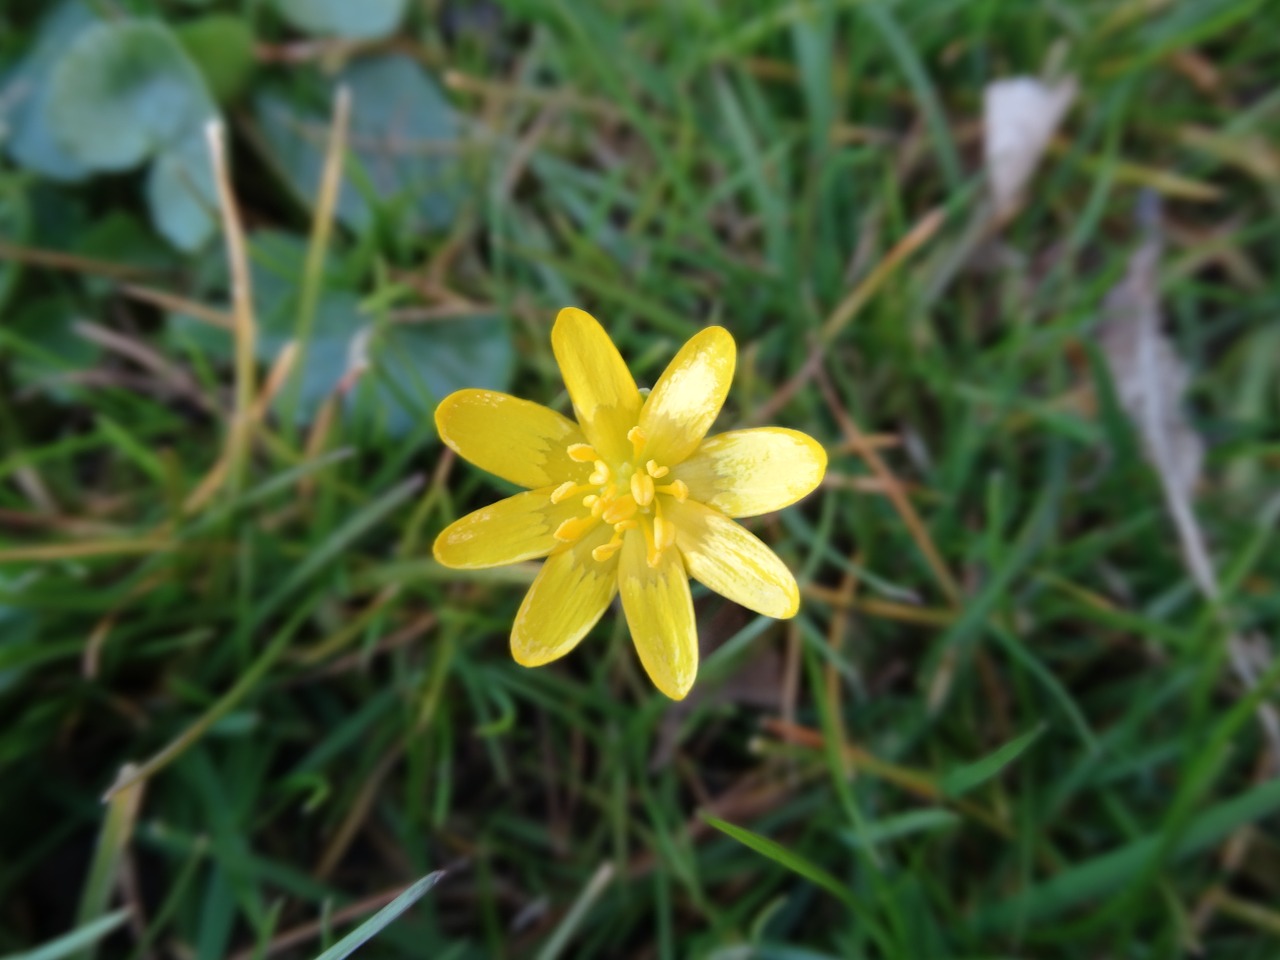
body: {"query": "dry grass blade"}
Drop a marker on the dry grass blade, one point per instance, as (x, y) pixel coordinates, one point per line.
(1150, 381)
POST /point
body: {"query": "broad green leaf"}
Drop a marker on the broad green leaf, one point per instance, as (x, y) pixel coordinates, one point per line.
(409, 367)
(365, 20)
(123, 91)
(221, 47)
(786, 858)
(963, 779)
(415, 366)
(31, 140)
(403, 144)
(181, 193)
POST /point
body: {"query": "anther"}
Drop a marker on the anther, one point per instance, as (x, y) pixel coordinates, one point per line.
(642, 488)
(676, 488)
(637, 438)
(571, 530)
(601, 474)
(624, 508)
(606, 550)
(582, 452)
(565, 491)
(656, 471)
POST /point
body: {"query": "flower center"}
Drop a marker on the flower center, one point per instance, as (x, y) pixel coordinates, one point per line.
(624, 495)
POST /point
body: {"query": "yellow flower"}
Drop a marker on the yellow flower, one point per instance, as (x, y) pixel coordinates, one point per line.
(630, 499)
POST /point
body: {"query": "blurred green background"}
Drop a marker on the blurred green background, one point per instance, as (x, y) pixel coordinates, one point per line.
(1025, 708)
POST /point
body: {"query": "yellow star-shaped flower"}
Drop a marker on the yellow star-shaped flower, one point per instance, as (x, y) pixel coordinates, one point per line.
(631, 499)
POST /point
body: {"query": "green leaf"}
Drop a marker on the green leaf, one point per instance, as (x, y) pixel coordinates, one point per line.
(411, 367)
(786, 858)
(402, 162)
(31, 141)
(76, 940)
(358, 937)
(221, 47)
(415, 366)
(123, 91)
(963, 779)
(366, 20)
(182, 194)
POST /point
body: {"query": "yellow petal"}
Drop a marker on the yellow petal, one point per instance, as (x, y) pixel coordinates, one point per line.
(519, 441)
(605, 399)
(744, 473)
(509, 531)
(659, 614)
(731, 561)
(688, 396)
(569, 595)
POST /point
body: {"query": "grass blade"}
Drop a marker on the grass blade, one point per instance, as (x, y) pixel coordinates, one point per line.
(786, 858)
(963, 779)
(78, 939)
(362, 934)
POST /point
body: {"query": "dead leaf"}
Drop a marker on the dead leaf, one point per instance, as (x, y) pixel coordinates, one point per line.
(1020, 115)
(1150, 378)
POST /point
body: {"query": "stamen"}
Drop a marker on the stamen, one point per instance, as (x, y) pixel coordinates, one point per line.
(606, 550)
(624, 508)
(664, 532)
(676, 488)
(583, 452)
(637, 438)
(652, 553)
(656, 471)
(590, 500)
(571, 530)
(566, 490)
(642, 488)
(601, 474)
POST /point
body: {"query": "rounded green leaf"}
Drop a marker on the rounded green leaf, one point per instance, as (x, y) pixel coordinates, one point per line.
(182, 194)
(29, 137)
(221, 47)
(365, 20)
(123, 91)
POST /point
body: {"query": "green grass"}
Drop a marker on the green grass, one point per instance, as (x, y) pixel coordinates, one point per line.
(1030, 747)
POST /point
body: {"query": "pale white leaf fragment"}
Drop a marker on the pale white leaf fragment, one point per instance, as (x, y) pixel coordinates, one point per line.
(1149, 377)
(1020, 117)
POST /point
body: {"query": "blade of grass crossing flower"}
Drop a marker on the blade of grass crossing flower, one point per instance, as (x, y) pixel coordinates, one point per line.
(117, 829)
(77, 940)
(362, 934)
(963, 779)
(786, 858)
